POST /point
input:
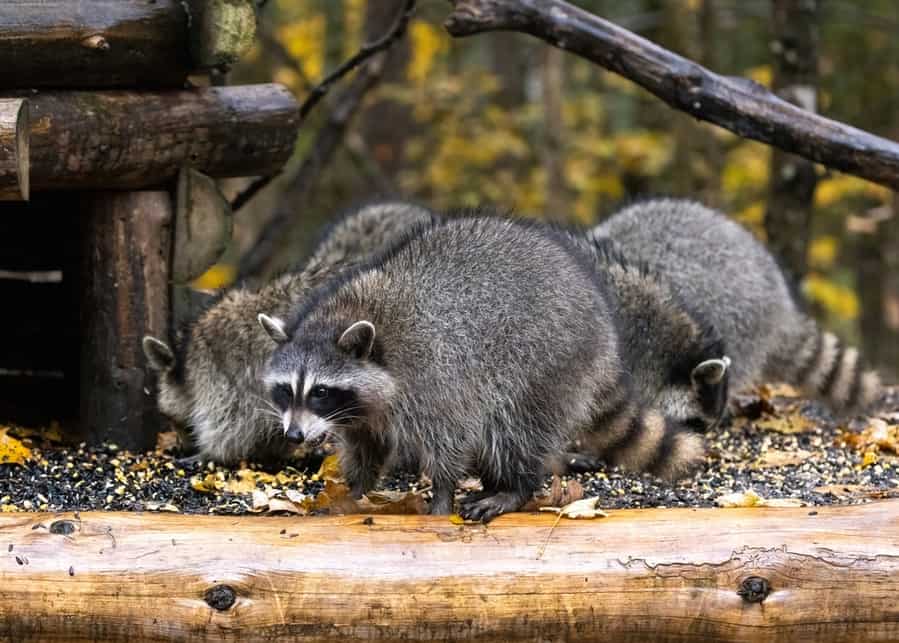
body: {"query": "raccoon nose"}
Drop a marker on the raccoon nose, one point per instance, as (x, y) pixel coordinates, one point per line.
(294, 434)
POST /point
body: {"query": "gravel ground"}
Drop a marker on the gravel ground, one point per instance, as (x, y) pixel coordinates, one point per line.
(781, 448)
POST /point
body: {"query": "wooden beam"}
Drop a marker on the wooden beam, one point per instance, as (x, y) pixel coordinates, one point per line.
(811, 574)
(119, 139)
(14, 142)
(119, 43)
(126, 245)
(737, 104)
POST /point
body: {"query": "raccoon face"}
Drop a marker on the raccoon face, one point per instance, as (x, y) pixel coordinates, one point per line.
(173, 400)
(322, 387)
(701, 404)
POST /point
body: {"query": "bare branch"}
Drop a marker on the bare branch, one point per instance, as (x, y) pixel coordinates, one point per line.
(317, 93)
(737, 104)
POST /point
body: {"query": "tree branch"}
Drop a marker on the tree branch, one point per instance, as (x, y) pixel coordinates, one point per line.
(321, 90)
(737, 104)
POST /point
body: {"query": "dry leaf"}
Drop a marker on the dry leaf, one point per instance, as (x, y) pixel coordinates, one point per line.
(163, 506)
(204, 484)
(586, 508)
(260, 500)
(12, 451)
(283, 504)
(167, 441)
(244, 481)
(777, 389)
(329, 470)
(877, 436)
(856, 491)
(750, 498)
(792, 423)
(778, 458)
(558, 495)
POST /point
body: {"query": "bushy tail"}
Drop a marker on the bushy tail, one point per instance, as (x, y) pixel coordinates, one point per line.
(639, 440)
(824, 367)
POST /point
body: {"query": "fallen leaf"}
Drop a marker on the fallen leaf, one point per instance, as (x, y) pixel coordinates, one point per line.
(792, 423)
(167, 441)
(456, 519)
(244, 481)
(285, 505)
(12, 451)
(163, 506)
(204, 484)
(329, 470)
(260, 500)
(749, 498)
(558, 495)
(856, 491)
(777, 389)
(586, 508)
(779, 458)
(877, 436)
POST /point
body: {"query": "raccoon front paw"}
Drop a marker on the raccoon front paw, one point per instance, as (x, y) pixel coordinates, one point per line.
(485, 506)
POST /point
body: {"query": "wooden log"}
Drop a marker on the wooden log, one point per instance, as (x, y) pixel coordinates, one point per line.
(737, 104)
(203, 226)
(119, 43)
(828, 574)
(126, 246)
(129, 140)
(14, 139)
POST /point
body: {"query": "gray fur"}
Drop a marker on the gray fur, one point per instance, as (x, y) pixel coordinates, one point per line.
(214, 386)
(723, 271)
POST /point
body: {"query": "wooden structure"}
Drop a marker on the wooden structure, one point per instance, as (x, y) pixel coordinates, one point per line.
(808, 574)
(98, 119)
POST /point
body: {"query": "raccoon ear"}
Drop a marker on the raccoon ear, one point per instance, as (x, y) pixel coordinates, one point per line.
(275, 328)
(159, 355)
(358, 340)
(710, 372)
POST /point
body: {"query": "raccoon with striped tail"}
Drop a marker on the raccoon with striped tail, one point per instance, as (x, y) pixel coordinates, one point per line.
(210, 383)
(458, 351)
(721, 269)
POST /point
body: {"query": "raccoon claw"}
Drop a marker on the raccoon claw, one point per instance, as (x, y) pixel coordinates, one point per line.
(485, 506)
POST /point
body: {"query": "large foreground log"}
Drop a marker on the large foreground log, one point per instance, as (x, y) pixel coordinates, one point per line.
(829, 574)
(137, 139)
(126, 246)
(119, 43)
(738, 104)
(14, 139)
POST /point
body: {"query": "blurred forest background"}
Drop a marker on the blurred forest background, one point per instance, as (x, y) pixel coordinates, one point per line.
(503, 119)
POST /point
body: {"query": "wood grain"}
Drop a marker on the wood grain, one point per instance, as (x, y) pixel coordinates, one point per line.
(15, 136)
(828, 574)
(118, 139)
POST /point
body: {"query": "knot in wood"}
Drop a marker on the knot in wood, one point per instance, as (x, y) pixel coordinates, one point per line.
(62, 527)
(754, 589)
(220, 597)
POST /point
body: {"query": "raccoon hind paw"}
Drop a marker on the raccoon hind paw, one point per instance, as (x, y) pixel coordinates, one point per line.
(486, 506)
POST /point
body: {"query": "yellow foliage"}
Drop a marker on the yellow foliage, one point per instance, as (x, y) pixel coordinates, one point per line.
(643, 152)
(426, 43)
(353, 21)
(753, 217)
(822, 252)
(305, 42)
(842, 186)
(761, 74)
(221, 275)
(746, 168)
(12, 451)
(833, 297)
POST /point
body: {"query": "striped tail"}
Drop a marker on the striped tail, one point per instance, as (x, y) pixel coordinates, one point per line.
(641, 441)
(826, 368)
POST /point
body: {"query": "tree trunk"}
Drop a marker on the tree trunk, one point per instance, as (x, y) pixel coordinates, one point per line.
(119, 43)
(137, 139)
(14, 155)
(641, 575)
(126, 247)
(793, 179)
(552, 76)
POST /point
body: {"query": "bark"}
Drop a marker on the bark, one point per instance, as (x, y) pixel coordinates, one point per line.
(121, 139)
(14, 149)
(737, 104)
(126, 247)
(793, 179)
(119, 43)
(639, 575)
(553, 151)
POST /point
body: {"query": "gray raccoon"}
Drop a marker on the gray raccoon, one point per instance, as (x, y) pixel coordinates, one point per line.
(676, 376)
(719, 267)
(212, 384)
(457, 351)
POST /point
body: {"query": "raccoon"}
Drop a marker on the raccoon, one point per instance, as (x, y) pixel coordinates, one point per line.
(458, 350)
(721, 269)
(212, 382)
(677, 371)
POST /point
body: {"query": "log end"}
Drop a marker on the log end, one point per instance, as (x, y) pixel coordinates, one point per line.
(15, 143)
(224, 31)
(203, 225)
